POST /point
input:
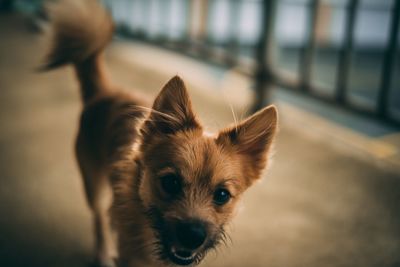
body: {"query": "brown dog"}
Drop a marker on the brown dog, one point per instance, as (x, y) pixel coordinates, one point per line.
(171, 187)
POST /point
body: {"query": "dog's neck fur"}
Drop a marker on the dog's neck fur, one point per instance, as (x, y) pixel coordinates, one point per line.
(126, 176)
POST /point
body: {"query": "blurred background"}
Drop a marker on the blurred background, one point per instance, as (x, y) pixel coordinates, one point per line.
(331, 196)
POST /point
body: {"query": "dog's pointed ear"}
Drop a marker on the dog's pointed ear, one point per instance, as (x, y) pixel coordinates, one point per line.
(172, 109)
(252, 139)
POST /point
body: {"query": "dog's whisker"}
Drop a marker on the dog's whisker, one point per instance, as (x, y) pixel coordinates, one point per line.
(235, 121)
(157, 112)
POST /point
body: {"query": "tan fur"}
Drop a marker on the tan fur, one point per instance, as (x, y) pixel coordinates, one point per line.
(125, 149)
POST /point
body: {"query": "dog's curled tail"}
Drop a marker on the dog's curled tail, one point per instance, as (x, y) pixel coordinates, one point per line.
(80, 31)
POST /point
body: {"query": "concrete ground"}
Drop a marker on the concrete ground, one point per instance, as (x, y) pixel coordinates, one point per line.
(331, 197)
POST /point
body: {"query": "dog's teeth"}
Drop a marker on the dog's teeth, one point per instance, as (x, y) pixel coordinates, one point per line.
(183, 258)
(174, 251)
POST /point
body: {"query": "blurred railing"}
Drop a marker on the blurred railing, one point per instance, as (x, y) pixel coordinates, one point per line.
(347, 68)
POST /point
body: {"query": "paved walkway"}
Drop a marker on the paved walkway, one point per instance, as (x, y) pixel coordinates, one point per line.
(324, 202)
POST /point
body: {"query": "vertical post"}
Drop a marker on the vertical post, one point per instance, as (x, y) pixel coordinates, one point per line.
(141, 28)
(146, 7)
(189, 18)
(199, 25)
(233, 44)
(186, 38)
(204, 16)
(164, 14)
(263, 73)
(346, 52)
(129, 5)
(389, 61)
(308, 51)
(207, 48)
(196, 24)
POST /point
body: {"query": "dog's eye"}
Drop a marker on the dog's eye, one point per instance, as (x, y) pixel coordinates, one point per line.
(171, 184)
(221, 196)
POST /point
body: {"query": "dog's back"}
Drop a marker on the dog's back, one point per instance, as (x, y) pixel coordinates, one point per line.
(81, 31)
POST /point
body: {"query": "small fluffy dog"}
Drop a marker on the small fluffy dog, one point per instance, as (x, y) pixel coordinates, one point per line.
(160, 188)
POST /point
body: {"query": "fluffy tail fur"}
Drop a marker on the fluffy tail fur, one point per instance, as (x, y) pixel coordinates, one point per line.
(81, 30)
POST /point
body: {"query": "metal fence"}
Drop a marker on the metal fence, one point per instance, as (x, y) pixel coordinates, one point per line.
(343, 69)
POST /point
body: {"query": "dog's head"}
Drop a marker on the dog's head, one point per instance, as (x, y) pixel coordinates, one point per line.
(192, 181)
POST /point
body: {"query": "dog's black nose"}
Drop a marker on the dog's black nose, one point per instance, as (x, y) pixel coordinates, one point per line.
(191, 235)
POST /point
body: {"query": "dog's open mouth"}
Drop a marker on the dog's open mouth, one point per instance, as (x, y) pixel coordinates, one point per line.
(182, 257)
